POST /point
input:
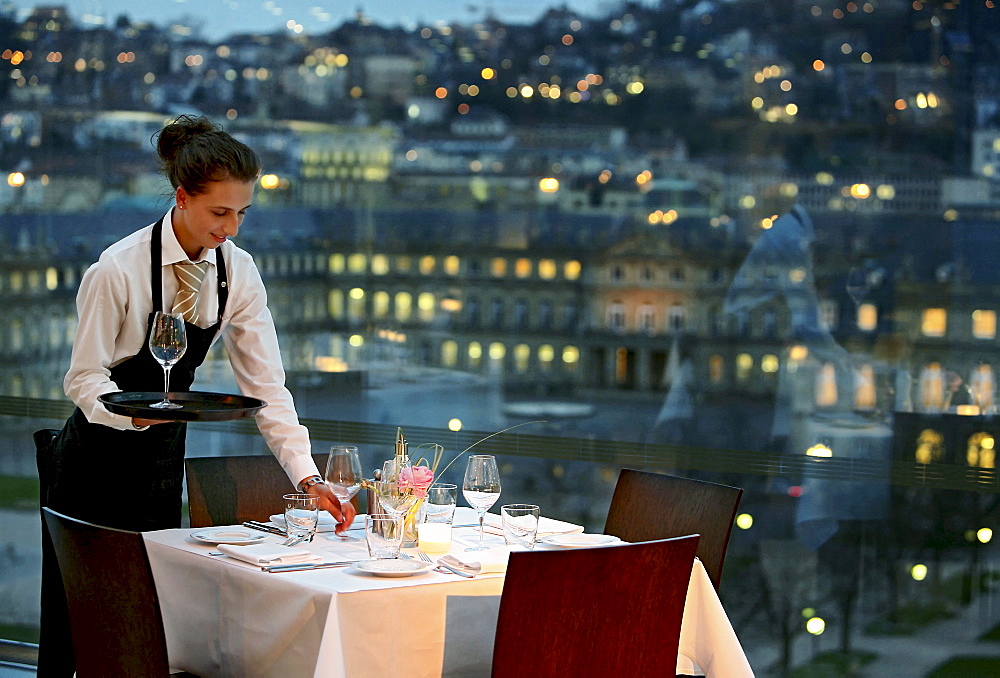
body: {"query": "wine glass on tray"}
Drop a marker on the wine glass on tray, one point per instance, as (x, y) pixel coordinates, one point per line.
(167, 343)
(481, 488)
(343, 475)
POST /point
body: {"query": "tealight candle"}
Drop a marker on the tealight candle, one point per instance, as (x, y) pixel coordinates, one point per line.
(434, 537)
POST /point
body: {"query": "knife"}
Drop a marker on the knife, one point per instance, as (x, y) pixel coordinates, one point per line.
(264, 527)
(305, 566)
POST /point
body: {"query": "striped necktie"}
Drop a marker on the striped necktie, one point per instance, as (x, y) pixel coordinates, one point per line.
(189, 277)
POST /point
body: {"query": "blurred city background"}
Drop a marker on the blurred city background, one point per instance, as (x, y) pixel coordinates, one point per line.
(749, 241)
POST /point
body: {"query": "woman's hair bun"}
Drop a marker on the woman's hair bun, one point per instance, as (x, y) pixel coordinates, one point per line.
(179, 132)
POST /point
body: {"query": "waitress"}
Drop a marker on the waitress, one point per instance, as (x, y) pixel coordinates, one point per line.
(126, 472)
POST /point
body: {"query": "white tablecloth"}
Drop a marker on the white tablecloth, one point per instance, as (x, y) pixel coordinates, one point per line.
(228, 618)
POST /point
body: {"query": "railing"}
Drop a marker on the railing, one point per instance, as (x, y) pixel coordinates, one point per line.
(650, 456)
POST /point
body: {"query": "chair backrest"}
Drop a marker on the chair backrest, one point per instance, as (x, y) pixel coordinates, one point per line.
(113, 608)
(648, 506)
(230, 490)
(43, 437)
(607, 611)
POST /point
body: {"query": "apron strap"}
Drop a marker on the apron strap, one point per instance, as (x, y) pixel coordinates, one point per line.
(156, 272)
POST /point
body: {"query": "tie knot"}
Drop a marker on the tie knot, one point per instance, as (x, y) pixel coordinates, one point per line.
(190, 274)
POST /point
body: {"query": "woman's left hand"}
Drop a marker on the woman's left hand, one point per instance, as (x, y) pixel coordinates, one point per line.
(343, 513)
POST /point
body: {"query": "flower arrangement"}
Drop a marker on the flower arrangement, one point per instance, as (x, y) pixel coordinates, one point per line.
(414, 479)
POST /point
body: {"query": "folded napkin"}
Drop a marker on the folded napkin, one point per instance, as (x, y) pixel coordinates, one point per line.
(491, 560)
(547, 527)
(326, 521)
(269, 554)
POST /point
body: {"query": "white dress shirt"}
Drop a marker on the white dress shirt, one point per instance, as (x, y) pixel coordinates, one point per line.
(114, 303)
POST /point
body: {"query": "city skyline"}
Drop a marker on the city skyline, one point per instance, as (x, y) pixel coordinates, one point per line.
(218, 19)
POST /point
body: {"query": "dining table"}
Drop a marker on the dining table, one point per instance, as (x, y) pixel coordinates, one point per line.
(226, 617)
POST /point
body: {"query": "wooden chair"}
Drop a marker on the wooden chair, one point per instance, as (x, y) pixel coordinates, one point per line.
(229, 490)
(648, 506)
(113, 607)
(611, 611)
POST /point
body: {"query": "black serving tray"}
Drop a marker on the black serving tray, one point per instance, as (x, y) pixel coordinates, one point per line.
(195, 405)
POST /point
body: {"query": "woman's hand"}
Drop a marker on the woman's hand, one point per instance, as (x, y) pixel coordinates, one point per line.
(343, 513)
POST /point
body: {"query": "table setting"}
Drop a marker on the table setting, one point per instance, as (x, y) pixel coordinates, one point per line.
(289, 596)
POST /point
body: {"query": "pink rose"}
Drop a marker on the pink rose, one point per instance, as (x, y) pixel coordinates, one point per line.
(421, 477)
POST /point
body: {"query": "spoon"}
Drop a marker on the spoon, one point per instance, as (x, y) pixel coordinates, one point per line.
(460, 568)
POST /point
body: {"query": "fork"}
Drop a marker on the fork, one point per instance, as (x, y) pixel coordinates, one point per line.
(424, 557)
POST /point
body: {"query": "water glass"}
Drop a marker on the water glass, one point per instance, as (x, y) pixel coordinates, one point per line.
(520, 524)
(301, 515)
(384, 534)
(439, 506)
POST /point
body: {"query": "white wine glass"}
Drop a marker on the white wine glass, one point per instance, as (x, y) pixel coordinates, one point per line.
(481, 488)
(393, 489)
(343, 475)
(167, 343)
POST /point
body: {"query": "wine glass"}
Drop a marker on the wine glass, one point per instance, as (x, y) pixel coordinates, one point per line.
(394, 491)
(167, 343)
(481, 488)
(343, 475)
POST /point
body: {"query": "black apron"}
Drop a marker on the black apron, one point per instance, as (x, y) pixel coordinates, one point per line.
(130, 480)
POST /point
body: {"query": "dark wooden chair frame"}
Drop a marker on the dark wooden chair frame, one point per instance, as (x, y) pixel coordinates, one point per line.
(648, 506)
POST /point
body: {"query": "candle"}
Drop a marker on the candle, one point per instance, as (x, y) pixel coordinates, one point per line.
(434, 537)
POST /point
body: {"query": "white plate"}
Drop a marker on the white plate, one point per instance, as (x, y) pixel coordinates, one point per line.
(393, 568)
(580, 539)
(228, 535)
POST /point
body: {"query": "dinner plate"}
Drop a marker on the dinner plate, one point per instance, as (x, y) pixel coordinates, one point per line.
(580, 539)
(228, 535)
(393, 568)
(195, 405)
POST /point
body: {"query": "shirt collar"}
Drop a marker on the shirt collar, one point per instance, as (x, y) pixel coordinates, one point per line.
(172, 252)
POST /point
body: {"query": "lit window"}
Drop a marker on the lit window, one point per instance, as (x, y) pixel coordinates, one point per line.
(380, 304)
(571, 357)
(621, 365)
(546, 269)
(452, 265)
(929, 446)
(984, 324)
(336, 263)
(571, 270)
(769, 363)
(744, 364)
(522, 357)
(522, 268)
(864, 388)
(425, 305)
(867, 317)
(356, 263)
(497, 351)
(475, 354)
(546, 354)
(427, 265)
(356, 304)
(51, 279)
(380, 264)
(716, 369)
(449, 353)
(335, 304)
(404, 306)
(981, 451)
(498, 267)
(931, 385)
(826, 386)
(934, 322)
(982, 385)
